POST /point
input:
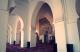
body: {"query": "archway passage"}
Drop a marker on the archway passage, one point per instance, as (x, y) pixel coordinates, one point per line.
(19, 31)
(15, 34)
(44, 26)
(46, 33)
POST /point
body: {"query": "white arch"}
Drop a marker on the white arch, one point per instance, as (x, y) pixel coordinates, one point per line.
(21, 21)
(21, 30)
(58, 22)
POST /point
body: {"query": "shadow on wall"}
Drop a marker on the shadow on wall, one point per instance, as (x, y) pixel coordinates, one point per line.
(78, 12)
(78, 7)
(78, 24)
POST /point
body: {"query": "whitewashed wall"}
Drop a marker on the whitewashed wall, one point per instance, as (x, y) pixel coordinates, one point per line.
(3, 24)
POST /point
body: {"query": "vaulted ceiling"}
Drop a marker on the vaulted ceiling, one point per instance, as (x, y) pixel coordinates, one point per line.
(43, 21)
(44, 15)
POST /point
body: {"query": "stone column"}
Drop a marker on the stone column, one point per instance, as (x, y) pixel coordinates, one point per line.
(22, 39)
(60, 36)
(9, 34)
(33, 39)
(26, 30)
(3, 24)
(73, 36)
(71, 16)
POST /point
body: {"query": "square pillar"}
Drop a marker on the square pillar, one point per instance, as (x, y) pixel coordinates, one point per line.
(60, 36)
(3, 24)
(3, 30)
(33, 39)
(73, 36)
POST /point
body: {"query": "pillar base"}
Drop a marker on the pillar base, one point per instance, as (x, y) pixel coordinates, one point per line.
(28, 44)
(70, 48)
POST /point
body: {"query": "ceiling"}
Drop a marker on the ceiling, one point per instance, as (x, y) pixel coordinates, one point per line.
(43, 21)
(22, 2)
